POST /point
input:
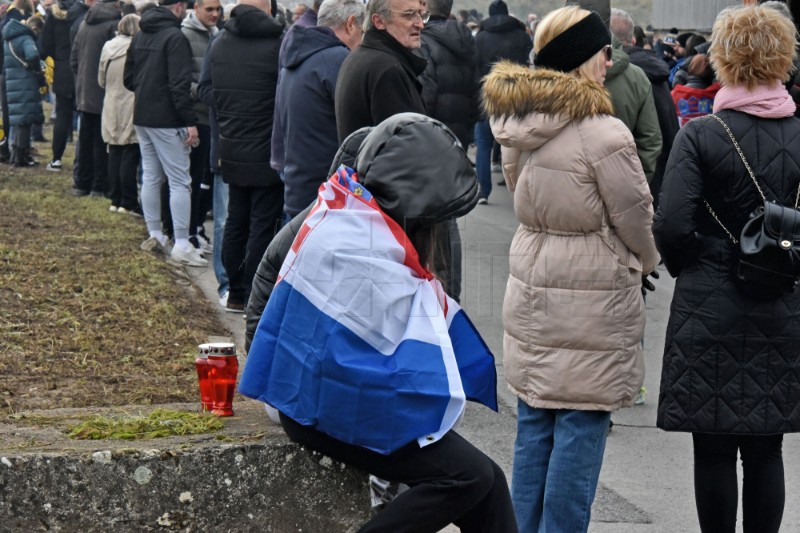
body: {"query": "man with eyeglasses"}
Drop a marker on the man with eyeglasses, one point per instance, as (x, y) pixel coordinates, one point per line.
(379, 79)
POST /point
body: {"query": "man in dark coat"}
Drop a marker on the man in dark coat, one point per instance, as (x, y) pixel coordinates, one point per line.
(380, 78)
(158, 69)
(500, 37)
(98, 27)
(450, 81)
(243, 71)
(305, 99)
(657, 72)
(55, 42)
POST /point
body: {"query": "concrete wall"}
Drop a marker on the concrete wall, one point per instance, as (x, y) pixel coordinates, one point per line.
(275, 486)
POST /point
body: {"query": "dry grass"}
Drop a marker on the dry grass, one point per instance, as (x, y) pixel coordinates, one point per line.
(86, 317)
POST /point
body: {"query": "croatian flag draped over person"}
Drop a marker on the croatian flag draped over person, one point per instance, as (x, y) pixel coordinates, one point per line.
(358, 338)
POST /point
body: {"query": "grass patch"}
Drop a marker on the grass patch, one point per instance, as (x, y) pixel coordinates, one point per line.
(159, 423)
(87, 318)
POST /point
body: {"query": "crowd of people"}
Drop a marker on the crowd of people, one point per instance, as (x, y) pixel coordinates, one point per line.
(330, 143)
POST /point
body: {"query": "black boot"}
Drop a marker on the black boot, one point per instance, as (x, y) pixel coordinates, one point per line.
(27, 160)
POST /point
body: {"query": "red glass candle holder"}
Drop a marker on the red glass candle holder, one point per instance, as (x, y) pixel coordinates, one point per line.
(206, 390)
(222, 370)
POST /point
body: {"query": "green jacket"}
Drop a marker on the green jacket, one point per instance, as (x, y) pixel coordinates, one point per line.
(632, 96)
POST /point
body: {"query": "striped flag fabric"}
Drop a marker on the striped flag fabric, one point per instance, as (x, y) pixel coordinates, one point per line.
(358, 339)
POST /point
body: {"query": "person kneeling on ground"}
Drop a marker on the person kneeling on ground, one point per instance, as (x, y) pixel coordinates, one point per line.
(370, 236)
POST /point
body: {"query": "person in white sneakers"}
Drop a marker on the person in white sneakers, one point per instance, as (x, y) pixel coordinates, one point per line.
(158, 69)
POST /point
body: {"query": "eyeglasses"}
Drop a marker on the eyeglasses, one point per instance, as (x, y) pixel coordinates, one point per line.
(411, 14)
(607, 51)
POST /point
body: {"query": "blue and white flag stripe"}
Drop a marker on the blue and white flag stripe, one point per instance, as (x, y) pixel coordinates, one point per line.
(355, 340)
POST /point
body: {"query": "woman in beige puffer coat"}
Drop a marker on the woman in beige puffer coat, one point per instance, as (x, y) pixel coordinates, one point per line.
(117, 119)
(573, 311)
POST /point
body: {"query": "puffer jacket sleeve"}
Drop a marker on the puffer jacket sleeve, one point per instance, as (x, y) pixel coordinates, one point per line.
(627, 198)
(681, 197)
(267, 274)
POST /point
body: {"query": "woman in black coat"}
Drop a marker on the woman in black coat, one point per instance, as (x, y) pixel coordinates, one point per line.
(731, 372)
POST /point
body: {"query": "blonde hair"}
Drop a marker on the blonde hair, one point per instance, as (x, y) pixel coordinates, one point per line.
(557, 22)
(129, 25)
(752, 44)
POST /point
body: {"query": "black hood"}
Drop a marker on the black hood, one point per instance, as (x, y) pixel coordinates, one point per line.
(302, 43)
(76, 11)
(250, 22)
(501, 24)
(656, 69)
(417, 171)
(102, 12)
(158, 18)
(451, 34)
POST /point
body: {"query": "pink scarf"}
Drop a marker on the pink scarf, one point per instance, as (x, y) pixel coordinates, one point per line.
(764, 101)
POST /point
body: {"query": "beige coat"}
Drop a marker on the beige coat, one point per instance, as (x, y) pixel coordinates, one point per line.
(573, 312)
(117, 117)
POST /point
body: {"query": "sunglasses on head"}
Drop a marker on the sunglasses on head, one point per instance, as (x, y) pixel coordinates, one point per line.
(607, 52)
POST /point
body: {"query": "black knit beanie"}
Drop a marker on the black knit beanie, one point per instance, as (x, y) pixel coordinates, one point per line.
(575, 46)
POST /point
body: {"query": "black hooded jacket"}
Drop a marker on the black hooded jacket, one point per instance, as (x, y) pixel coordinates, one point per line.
(393, 162)
(730, 361)
(158, 69)
(98, 27)
(657, 72)
(243, 63)
(501, 37)
(450, 81)
(75, 15)
(55, 42)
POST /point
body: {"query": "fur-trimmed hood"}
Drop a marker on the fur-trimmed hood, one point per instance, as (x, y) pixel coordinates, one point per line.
(511, 90)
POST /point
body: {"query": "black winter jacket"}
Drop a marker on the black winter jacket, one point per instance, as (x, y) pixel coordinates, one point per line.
(450, 81)
(158, 69)
(75, 15)
(377, 80)
(501, 37)
(243, 66)
(730, 362)
(98, 27)
(657, 72)
(55, 42)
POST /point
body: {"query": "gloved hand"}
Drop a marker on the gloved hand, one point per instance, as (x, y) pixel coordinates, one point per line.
(647, 285)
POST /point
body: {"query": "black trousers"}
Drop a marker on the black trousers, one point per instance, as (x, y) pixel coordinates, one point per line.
(65, 108)
(92, 156)
(123, 166)
(450, 482)
(200, 171)
(254, 216)
(716, 484)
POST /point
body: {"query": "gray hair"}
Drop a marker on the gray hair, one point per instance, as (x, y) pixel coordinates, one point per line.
(376, 7)
(622, 25)
(334, 13)
(440, 8)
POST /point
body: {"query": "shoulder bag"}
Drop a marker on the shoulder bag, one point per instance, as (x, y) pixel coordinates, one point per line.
(769, 262)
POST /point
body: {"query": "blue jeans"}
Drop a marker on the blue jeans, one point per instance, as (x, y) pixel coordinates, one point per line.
(557, 458)
(220, 210)
(484, 141)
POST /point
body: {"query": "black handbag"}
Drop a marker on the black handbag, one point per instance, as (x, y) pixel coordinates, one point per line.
(769, 245)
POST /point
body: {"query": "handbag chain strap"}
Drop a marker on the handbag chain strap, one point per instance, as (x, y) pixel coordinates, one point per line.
(749, 171)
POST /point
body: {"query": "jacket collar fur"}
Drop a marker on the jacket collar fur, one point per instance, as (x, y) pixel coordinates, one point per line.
(512, 90)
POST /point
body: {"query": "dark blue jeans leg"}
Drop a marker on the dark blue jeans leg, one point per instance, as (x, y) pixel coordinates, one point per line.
(484, 140)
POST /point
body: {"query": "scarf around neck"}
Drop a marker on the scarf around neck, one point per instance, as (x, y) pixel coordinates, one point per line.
(765, 101)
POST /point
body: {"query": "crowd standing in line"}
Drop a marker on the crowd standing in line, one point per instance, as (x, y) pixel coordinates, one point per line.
(241, 111)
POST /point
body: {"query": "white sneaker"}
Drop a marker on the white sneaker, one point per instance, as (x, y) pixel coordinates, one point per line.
(223, 300)
(153, 245)
(113, 208)
(190, 257)
(54, 166)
